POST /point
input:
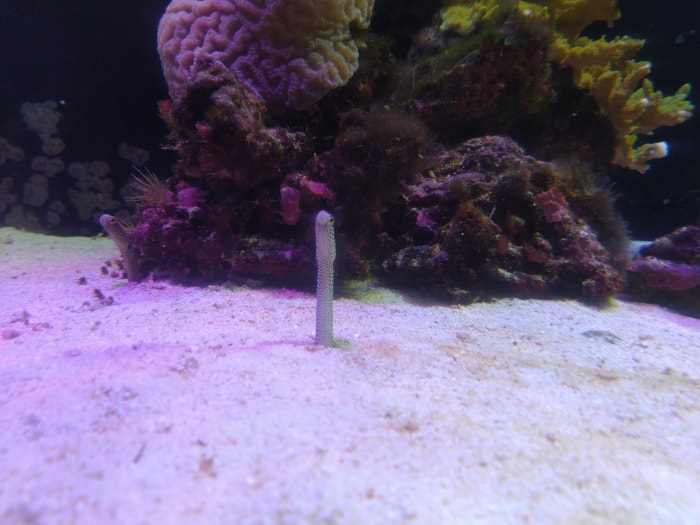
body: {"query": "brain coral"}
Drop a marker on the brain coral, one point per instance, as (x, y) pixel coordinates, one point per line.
(290, 52)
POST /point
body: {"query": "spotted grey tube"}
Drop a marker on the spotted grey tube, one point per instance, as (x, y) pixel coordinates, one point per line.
(325, 257)
(121, 239)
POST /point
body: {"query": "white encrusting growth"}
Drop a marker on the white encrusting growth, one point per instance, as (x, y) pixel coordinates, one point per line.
(325, 257)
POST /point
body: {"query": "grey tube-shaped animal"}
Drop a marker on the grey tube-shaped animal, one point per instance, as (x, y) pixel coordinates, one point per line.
(121, 239)
(325, 257)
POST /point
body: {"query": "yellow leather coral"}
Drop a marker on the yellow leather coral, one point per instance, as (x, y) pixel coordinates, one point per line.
(463, 18)
(566, 17)
(569, 17)
(607, 70)
(604, 68)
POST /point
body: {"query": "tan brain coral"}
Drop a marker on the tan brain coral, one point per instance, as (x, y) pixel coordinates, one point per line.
(291, 52)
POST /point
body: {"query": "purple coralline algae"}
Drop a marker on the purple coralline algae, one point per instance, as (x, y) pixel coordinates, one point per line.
(492, 218)
(671, 262)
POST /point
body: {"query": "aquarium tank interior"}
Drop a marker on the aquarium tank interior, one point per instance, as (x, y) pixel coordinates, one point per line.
(456, 191)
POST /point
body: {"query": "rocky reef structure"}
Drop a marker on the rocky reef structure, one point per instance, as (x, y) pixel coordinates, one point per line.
(492, 219)
(400, 134)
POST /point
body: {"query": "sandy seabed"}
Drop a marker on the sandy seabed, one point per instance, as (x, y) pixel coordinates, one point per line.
(153, 403)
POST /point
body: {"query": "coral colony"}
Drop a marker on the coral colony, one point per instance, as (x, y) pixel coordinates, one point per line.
(282, 109)
(396, 124)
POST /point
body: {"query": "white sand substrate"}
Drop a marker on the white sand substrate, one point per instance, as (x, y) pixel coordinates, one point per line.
(165, 404)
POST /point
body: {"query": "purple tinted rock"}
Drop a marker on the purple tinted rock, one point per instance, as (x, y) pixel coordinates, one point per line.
(671, 262)
(681, 245)
(494, 219)
(289, 204)
(190, 197)
(659, 273)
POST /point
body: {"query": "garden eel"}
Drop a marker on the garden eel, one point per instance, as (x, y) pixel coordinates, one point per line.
(121, 239)
(325, 257)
